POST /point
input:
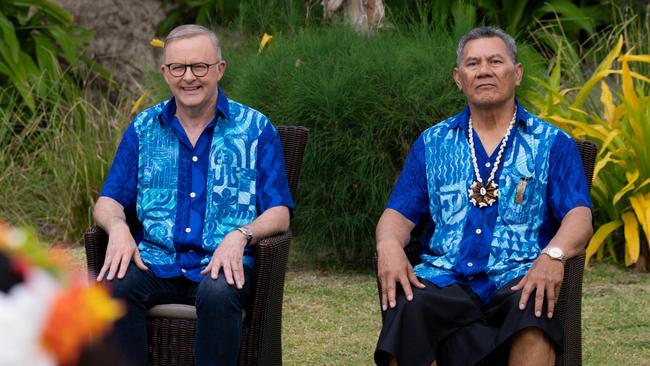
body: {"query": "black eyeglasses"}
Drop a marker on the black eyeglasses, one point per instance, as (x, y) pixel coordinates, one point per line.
(199, 69)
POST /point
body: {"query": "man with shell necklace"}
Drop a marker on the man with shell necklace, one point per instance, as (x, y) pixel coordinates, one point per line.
(506, 201)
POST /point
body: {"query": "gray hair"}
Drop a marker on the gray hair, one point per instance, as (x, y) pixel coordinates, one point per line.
(486, 32)
(189, 31)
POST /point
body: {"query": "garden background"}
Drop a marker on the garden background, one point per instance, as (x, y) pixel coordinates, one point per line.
(69, 86)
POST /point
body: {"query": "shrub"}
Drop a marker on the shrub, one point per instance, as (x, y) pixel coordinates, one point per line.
(50, 174)
(365, 100)
(618, 122)
(247, 16)
(520, 18)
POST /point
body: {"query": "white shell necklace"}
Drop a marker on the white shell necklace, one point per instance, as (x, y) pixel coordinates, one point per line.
(485, 195)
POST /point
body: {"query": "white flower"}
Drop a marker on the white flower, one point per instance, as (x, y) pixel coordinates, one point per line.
(22, 313)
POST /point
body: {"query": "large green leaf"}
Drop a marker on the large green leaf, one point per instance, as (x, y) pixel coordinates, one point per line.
(54, 11)
(570, 12)
(10, 39)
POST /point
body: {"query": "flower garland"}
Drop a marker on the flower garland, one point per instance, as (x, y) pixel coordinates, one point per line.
(47, 315)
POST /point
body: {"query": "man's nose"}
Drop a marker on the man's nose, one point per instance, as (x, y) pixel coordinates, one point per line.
(188, 75)
(484, 69)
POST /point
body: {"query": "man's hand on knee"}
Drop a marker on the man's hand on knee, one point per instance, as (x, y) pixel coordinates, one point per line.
(545, 279)
(228, 255)
(393, 267)
(119, 252)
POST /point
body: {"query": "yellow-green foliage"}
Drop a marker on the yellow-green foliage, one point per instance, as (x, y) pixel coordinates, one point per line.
(612, 109)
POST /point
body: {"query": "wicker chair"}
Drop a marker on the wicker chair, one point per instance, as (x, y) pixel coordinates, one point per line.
(171, 327)
(569, 306)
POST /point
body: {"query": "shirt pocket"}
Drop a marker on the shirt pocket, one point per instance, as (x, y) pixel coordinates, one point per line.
(515, 199)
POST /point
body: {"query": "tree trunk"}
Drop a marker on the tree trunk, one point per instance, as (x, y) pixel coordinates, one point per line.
(641, 265)
(365, 15)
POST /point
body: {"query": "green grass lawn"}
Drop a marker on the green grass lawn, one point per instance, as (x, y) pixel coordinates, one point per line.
(333, 318)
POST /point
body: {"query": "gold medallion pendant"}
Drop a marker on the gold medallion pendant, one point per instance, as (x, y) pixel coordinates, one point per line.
(483, 196)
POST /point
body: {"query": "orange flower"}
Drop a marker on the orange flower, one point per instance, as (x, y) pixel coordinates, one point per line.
(78, 315)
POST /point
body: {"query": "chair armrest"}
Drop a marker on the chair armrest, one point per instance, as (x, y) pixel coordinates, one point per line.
(569, 309)
(271, 256)
(265, 320)
(95, 242)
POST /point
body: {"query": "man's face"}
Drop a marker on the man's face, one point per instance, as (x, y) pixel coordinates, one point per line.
(193, 92)
(487, 74)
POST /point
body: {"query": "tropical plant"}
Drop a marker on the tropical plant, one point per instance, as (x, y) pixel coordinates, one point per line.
(40, 49)
(612, 108)
(519, 18)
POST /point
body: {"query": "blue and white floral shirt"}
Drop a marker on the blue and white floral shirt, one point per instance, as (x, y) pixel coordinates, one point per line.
(486, 248)
(186, 197)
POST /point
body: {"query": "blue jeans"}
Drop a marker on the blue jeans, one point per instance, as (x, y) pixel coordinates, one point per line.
(218, 306)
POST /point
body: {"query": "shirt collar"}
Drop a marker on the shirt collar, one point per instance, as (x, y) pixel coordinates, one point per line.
(222, 109)
(461, 120)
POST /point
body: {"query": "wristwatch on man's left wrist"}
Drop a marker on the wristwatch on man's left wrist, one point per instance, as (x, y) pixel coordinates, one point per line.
(555, 253)
(248, 233)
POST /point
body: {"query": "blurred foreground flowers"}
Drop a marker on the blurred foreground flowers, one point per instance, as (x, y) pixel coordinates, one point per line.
(47, 313)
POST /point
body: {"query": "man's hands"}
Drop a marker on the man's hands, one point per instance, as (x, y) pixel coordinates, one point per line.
(394, 267)
(121, 248)
(545, 276)
(228, 255)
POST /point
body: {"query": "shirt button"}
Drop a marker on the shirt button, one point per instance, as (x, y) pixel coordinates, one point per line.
(192, 194)
(470, 278)
(478, 231)
(487, 165)
(195, 158)
(188, 230)
(183, 270)
(469, 264)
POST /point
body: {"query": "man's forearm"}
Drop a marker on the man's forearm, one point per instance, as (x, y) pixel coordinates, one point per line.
(393, 228)
(273, 221)
(109, 214)
(574, 232)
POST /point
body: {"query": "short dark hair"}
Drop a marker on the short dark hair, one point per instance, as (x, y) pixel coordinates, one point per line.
(486, 32)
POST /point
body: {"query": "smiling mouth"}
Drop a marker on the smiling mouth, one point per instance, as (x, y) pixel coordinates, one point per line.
(191, 88)
(482, 86)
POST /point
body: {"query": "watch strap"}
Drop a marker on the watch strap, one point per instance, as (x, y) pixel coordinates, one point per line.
(248, 233)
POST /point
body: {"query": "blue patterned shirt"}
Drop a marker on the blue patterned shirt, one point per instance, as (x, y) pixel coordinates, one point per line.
(271, 187)
(487, 247)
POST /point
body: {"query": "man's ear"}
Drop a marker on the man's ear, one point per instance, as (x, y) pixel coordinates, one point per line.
(519, 73)
(457, 79)
(221, 68)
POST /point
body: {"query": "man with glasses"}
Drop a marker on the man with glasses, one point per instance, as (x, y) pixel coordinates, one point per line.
(205, 177)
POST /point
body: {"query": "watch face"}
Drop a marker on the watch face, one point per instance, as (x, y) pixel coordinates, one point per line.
(555, 252)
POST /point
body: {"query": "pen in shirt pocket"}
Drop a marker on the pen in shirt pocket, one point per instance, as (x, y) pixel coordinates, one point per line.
(521, 189)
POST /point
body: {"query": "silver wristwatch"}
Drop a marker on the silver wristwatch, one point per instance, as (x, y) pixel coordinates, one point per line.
(555, 253)
(248, 233)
